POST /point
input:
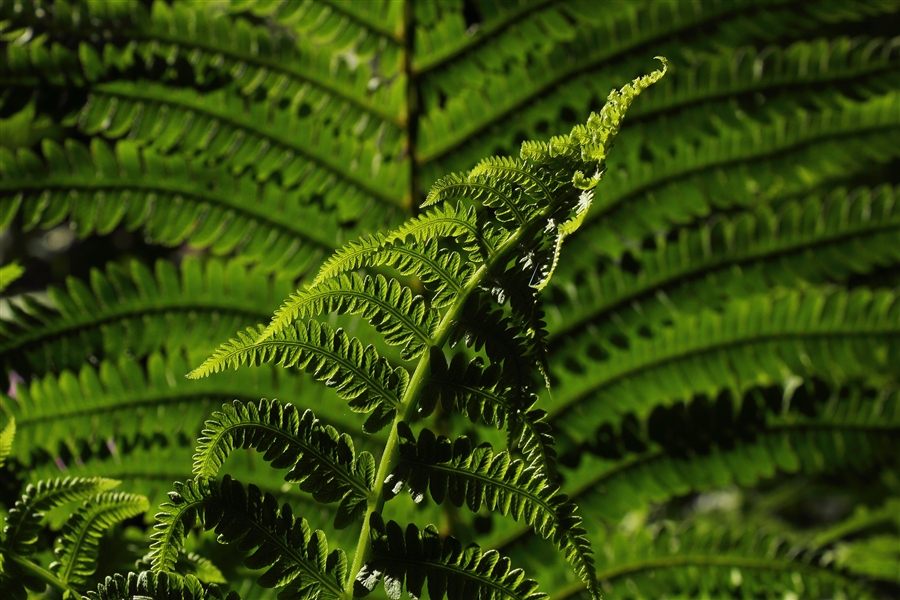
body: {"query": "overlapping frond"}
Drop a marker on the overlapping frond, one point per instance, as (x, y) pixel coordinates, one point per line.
(401, 317)
(478, 477)
(157, 586)
(126, 399)
(837, 335)
(133, 310)
(172, 199)
(23, 521)
(322, 461)
(414, 558)
(78, 547)
(813, 241)
(291, 553)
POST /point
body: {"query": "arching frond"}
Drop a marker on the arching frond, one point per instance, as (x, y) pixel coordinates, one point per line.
(837, 335)
(23, 522)
(133, 310)
(125, 400)
(290, 552)
(816, 240)
(173, 199)
(410, 559)
(479, 477)
(358, 374)
(157, 586)
(321, 461)
(77, 550)
(403, 318)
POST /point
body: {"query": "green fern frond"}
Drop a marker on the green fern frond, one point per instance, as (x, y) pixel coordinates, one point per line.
(358, 374)
(133, 310)
(321, 461)
(837, 335)
(173, 199)
(77, 550)
(127, 399)
(402, 317)
(7, 435)
(266, 139)
(486, 393)
(815, 241)
(157, 586)
(706, 560)
(479, 477)
(685, 182)
(9, 273)
(415, 557)
(283, 545)
(23, 522)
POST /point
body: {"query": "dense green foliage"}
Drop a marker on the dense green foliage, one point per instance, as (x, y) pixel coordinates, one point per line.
(669, 371)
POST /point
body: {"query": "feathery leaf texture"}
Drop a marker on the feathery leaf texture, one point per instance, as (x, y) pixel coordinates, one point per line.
(838, 335)
(321, 461)
(131, 309)
(7, 435)
(157, 586)
(291, 553)
(23, 522)
(415, 558)
(367, 381)
(816, 240)
(479, 477)
(78, 547)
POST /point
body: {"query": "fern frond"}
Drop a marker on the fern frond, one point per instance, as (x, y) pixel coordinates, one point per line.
(685, 182)
(9, 273)
(479, 392)
(126, 400)
(403, 319)
(173, 199)
(23, 522)
(157, 586)
(321, 461)
(131, 310)
(7, 434)
(266, 138)
(754, 341)
(479, 477)
(707, 560)
(358, 374)
(815, 241)
(414, 557)
(283, 545)
(77, 550)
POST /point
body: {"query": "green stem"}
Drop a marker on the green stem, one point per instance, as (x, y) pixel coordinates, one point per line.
(44, 575)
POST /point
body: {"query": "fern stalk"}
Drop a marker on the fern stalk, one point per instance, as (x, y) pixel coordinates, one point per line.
(43, 574)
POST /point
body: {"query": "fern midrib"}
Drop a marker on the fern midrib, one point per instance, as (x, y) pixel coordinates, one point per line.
(203, 468)
(477, 127)
(42, 574)
(702, 560)
(149, 94)
(84, 533)
(591, 390)
(317, 350)
(157, 185)
(507, 201)
(357, 17)
(715, 263)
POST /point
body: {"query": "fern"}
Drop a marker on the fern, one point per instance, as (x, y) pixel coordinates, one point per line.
(710, 305)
